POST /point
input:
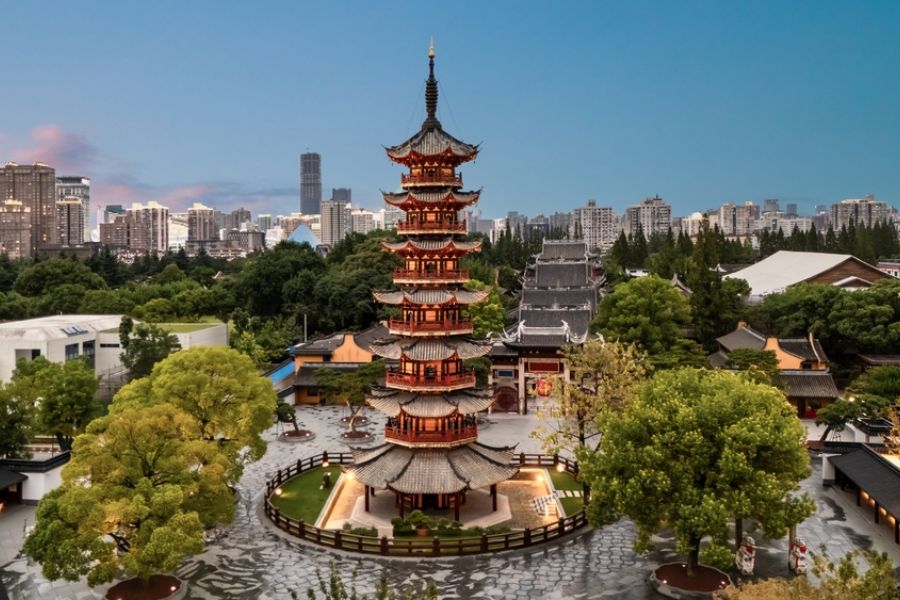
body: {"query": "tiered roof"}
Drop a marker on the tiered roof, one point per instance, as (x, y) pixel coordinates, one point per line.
(465, 402)
(431, 296)
(431, 349)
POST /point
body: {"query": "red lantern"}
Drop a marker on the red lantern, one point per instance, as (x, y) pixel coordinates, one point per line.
(544, 387)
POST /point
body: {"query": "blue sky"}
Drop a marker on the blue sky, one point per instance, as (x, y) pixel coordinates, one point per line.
(699, 102)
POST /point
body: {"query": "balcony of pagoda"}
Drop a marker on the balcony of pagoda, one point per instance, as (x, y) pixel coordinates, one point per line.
(429, 383)
(447, 227)
(414, 276)
(430, 328)
(431, 179)
(431, 439)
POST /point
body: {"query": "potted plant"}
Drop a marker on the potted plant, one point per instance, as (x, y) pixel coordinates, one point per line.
(420, 522)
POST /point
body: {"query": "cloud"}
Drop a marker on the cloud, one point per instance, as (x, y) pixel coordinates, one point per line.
(63, 150)
(113, 182)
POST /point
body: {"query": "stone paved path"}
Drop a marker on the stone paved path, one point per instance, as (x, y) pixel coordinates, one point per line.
(254, 562)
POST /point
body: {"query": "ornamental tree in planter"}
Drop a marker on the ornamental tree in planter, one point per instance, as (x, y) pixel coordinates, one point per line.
(694, 450)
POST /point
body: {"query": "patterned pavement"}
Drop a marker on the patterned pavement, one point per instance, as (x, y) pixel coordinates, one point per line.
(254, 561)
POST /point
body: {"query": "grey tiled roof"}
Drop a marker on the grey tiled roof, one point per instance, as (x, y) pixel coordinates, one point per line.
(431, 349)
(563, 250)
(578, 318)
(467, 402)
(431, 141)
(874, 474)
(807, 384)
(802, 348)
(563, 298)
(742, 338)
(563, 274)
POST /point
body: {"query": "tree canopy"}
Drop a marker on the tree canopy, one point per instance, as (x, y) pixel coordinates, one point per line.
(136, 495)
(220, 389)
(144, 345)
(488, 316)
(695, 449)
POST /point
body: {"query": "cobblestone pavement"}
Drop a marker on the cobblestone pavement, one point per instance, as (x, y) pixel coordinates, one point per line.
(252, 561)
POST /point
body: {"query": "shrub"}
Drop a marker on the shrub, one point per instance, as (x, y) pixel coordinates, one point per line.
(362, 531)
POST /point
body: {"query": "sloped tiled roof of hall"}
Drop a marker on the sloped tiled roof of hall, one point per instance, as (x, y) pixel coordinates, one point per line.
(743, 337)
(432, 141)
(563, 250)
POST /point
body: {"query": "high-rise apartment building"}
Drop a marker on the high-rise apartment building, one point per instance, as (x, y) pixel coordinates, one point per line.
(651, 216)
(771, 205)
(342, 195)
(560, 221)
(264, 222)
(791, 210)
(310, 183)
(333, 224)
(736, 220)
(201, 222)
(70, 221)
(866, 211)
(35, 187)
(596, 225)
(236, 218)
(142, 229)
(69, 186)
(15, 229)
(362, 221)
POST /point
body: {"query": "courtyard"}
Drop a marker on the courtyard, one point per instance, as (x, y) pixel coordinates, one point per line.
(254, 560)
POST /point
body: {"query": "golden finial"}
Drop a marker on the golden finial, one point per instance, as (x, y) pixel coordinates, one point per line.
(431, 48)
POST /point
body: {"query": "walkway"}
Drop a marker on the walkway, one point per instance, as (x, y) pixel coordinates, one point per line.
(253, 562)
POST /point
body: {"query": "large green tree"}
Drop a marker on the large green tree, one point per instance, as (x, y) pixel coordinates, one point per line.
(64, 395)
(144, 345)
(135, 496)
(651, 313)
(488, 316)
(349, 386)
(221, 390)
(41, 277)
(16, 422)
(694, 450)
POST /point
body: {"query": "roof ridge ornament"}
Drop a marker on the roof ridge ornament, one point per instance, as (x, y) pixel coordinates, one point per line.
(431, 93)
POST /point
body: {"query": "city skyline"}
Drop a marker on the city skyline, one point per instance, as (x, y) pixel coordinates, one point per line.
(702, 104)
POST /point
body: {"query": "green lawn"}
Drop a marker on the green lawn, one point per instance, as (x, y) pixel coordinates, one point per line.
(184, 327)
(301, 498)
(564, 481)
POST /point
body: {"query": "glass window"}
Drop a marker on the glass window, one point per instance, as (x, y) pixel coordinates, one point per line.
(71, 351)
(88, 351)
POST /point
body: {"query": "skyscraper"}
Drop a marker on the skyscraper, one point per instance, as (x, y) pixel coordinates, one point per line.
(310, 183)
(69, 186)
(142, 229)
(596, 225)
(341, 194)
(15, 229)
(866, 211)
(201, 224)
(334, 222)
(35, 187)
(70, 221)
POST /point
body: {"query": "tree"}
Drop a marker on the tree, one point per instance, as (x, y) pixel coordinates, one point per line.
(877, 390)
(220, 389)
(144, 345)
(64, 395)
(602, 379)
(646, 311)
(16, 422)
(843, 581)
(488, 316)
(139, 478)
(41, 277)
(349, 386)
(694, 449)
(761, 365)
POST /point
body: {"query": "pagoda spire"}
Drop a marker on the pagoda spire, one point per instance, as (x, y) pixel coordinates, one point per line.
(431, 93)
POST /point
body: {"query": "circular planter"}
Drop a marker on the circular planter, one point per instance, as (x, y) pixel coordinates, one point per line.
(671, 581)
(356, 437)
(294, 437)
(159, 587)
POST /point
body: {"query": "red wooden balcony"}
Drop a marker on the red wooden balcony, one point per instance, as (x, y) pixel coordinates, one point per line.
(400, 327)
(431, 179)
(406, 381)
(431, 227)
(431, 437)
(451, 275)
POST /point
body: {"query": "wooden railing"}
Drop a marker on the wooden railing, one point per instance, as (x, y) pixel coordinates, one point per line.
(420, 381)
(463, 325)
(448, 274)
(406, 226)
(395, 433)
(385, 546)
(436, 179)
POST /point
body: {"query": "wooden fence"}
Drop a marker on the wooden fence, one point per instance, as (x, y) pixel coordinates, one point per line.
(450, 546)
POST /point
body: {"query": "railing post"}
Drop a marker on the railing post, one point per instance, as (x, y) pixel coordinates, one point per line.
(521, 458)
(561, 526)
(301, 529)
(526, 537)
(338, 539)
(277, 518)
(384, 544)
(436, 547)
(484, 542)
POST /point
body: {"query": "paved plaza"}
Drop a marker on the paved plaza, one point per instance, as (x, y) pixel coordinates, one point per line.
(255, 561)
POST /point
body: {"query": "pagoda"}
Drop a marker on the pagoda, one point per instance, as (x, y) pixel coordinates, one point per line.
(431, 456)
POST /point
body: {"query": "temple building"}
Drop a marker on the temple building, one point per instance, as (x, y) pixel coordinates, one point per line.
(559, 299)
(431, 456)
